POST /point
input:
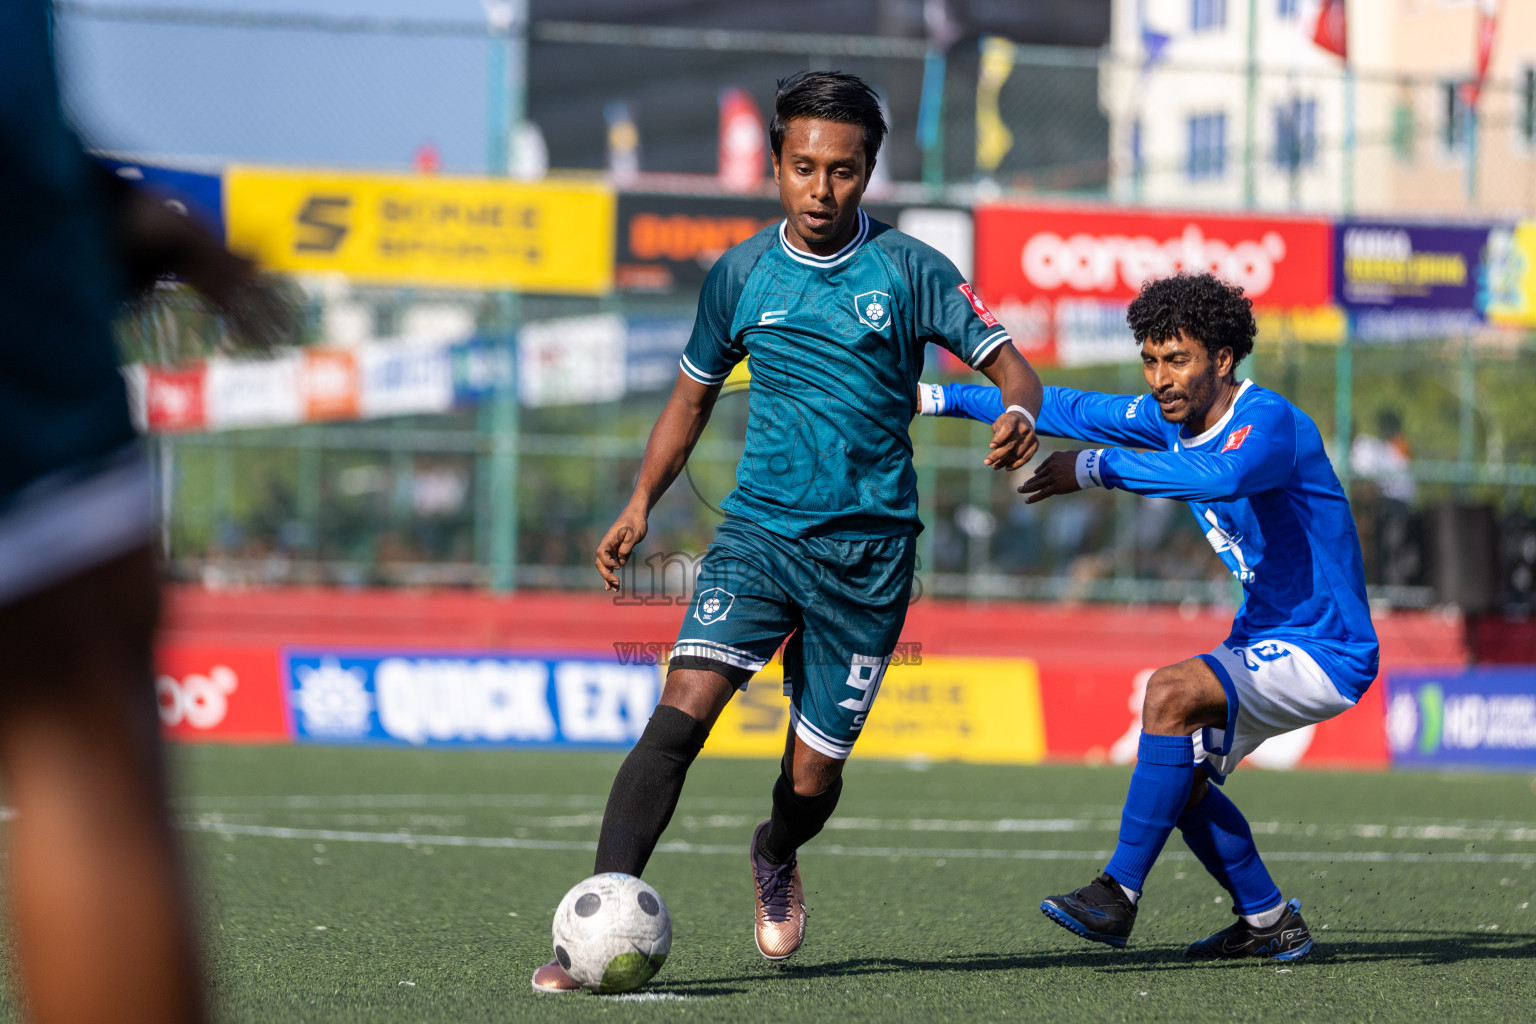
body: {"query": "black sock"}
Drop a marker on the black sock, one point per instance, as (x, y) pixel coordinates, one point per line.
(796, 819)
(645, 791)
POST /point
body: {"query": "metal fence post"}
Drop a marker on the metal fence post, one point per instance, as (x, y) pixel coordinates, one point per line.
(308, 497)
(927, 486)
(1467, 422)
(1347, 157)
(504, 424)
(1343, 410)
(505, 112)
(930, 125)
(1250, 109)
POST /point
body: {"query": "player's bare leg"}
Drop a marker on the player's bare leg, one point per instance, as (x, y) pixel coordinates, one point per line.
(646, 790)
(804, 797)
(96, 880)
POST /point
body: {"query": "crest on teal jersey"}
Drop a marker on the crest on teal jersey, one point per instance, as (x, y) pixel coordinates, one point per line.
(713, 605)
(873, 309)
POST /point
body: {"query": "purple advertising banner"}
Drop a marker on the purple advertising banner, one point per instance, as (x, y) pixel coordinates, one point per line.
(1401, 281)
(1479, 717)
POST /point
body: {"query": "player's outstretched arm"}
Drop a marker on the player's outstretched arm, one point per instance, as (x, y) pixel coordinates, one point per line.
(979, 402)
(151, 241)
(1013, 431)
(1064, 412)
(1259, 455)
(677, 430)
(1056, 475)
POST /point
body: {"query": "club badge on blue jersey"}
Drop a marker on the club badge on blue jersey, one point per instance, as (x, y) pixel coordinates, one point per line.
(873, 309)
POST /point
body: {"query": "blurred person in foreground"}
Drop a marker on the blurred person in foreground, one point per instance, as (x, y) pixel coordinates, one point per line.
(819, 538)
(97, 893)
(1256, 475)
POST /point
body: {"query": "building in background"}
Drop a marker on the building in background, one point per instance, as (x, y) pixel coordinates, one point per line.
(1226, 103)
(1435, 151)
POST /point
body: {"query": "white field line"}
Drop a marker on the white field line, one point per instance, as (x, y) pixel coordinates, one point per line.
(831, 849)
(391, 800)
(651, 997)
(1445, 830)
(1460, 832)
(371, 801)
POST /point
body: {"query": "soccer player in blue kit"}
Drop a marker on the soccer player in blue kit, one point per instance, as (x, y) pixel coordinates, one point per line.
(818, 540)
(1255, 473)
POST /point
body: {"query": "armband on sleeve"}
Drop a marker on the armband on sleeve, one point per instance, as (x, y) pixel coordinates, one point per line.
(1090, 468)
(930, 399)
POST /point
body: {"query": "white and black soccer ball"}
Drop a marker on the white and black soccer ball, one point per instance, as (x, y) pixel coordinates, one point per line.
(612, 933)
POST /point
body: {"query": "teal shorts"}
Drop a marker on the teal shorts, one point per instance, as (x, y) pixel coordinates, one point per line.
(840, 602)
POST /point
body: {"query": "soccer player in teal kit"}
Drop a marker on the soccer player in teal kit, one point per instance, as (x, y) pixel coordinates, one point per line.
(818, 540)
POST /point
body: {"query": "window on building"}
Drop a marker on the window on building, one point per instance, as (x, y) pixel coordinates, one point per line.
(1526, 105)
(1295, 134)
(1207, 146)
(1453, 116)
(1287, 9)
(1207, 15)
(1405, 127)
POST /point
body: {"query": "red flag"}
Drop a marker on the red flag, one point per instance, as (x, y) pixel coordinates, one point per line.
(1330, 31)
(1487, 29)
(743, 142)
(427, 159)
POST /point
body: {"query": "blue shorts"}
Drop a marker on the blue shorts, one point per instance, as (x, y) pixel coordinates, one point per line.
(841, 603)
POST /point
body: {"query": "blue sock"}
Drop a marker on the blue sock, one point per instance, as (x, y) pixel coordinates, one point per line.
(1165, 769)
(1219, 835)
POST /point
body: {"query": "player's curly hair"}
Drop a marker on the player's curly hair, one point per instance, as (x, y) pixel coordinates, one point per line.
(828, 96)
(1207, 309)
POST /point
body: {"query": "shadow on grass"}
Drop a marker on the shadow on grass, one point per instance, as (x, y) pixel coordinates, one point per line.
(1423, 948)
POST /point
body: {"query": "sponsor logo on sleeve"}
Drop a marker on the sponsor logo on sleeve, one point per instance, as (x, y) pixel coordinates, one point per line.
(1236, 439)
(976, 304)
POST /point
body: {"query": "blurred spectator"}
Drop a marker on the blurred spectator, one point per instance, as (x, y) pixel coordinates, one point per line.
(1385, 514)
(1384, 458)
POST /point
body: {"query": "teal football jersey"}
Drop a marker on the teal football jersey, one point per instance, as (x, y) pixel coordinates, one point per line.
(837, 348)
(62, 400)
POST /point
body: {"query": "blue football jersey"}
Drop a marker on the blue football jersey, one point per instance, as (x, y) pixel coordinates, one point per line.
(836, 344)
(1261, 487)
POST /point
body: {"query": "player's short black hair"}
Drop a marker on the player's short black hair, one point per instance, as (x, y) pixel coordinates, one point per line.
(1215, 313)
(828, 96)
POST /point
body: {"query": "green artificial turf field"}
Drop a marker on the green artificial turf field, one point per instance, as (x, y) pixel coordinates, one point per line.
(410, 885)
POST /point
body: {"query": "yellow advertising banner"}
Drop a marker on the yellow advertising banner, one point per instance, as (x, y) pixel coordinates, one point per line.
(982, 710)
(478, 233)
(1315, 325)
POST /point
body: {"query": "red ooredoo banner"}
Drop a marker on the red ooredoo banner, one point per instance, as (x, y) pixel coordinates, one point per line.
(1060, 278)
(225, 693)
